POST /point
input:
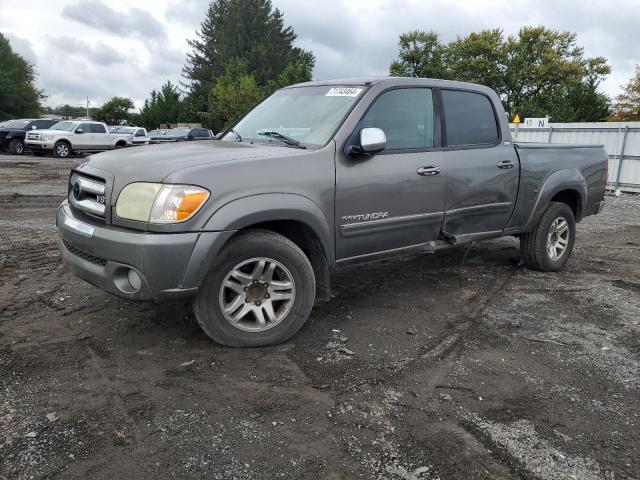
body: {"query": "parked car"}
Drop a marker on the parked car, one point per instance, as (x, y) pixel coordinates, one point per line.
(68, 136)
(183, 134)
(156, 135)
(13, 132)
(140, 136)
(319, 176)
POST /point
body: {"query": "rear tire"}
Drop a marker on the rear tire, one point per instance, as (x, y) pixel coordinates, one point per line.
(61, 150)
(548, 247)
(16, 146)
(259, 291)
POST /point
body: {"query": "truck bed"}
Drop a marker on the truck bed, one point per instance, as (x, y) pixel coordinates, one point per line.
(542, 163)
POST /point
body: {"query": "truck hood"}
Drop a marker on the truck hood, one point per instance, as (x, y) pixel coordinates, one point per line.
(47, 130)
(153, 163)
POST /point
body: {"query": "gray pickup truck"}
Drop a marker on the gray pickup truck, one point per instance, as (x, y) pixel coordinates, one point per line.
(320, 175)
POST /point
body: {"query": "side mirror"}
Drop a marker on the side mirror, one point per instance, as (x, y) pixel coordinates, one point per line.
(33, 127)
(79, 130)
(372, 140)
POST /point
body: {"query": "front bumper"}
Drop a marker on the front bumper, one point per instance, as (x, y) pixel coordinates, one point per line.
(38, 147)
(168, 265)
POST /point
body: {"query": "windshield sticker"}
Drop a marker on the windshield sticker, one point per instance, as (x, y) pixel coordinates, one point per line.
(343, 92)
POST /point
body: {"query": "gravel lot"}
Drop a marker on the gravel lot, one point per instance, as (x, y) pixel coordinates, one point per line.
(421, 368)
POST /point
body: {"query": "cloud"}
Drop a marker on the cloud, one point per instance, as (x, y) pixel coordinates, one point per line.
(22, 47)
(134, 23)
(102, 48)
(190, 13)
(100, 54)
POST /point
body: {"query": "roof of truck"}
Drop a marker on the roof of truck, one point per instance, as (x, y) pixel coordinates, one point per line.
(390, 81)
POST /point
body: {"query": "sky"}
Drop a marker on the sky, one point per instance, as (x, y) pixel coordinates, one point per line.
(100, 49)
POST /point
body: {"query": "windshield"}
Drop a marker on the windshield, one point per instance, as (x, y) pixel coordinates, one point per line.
(309, 115)
(17, 123)
(66, 126)
(178, 132)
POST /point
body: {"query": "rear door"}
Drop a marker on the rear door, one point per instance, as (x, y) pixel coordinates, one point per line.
(383, 203)
(100, 138)
(482, 171)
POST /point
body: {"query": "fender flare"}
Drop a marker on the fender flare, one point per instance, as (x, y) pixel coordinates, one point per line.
(246, 211)
(567, 179)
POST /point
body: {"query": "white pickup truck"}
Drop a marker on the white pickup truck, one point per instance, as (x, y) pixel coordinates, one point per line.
(69, 136)
(140, 136)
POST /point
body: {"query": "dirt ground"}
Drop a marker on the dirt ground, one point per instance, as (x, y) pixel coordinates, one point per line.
(420, 368)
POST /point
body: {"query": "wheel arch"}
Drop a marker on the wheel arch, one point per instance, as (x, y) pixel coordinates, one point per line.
(293, 216)
(566, 186)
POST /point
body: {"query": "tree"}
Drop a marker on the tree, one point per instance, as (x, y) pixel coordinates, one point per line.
(115, 111)
(250, 30)
(627, 105)
(420, 56)
(19, 96)
(231, 96)
(537, 72)
(163, 107)
(69, 111)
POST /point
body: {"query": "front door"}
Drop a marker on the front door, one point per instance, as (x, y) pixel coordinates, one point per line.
(84, 140)
(482, 171)
(393, 200)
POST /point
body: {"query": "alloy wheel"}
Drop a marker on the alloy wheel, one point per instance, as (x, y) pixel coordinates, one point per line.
(62, 150)
(257, 294)
(558, 238)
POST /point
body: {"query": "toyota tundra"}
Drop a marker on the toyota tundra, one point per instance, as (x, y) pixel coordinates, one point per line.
(252, 226)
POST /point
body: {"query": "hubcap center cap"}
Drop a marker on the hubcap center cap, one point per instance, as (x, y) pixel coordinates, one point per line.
(257, 292)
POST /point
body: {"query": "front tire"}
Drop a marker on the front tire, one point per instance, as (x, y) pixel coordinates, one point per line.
(549, 246)
(16, 146)
(259, 291)
(61, 150)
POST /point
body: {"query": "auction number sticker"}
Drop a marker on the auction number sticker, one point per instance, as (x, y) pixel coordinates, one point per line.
(343, 92)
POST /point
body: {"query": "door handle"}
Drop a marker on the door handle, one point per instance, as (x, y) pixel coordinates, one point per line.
(505, 164)
(428, 171)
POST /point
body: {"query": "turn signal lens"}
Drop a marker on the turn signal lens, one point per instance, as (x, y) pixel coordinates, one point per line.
(190, 203)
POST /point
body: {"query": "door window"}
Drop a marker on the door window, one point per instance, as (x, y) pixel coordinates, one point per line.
(97, 128)
(469, 119)
(405, 116)
(140, 133)
(86, 127)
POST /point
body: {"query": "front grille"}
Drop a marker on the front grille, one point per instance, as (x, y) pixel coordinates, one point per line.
(84, 255)
(33, 136)
(87, 194)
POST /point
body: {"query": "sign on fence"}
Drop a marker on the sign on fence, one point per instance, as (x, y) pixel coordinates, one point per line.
(535, 123)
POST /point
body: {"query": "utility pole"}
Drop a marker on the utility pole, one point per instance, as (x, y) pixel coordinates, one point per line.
(87, 107)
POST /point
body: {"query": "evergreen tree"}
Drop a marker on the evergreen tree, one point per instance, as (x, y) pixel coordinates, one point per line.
(250, 30)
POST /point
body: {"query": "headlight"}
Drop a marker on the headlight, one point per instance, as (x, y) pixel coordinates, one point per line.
(47, 137)
(8, 135)
(160, 203)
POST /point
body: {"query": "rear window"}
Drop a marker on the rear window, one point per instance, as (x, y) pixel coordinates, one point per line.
(469, 119)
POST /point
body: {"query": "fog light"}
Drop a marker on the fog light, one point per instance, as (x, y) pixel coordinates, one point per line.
(134, 279)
